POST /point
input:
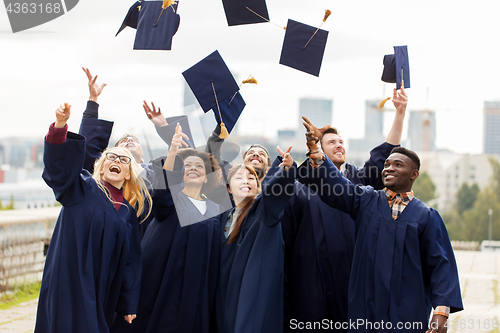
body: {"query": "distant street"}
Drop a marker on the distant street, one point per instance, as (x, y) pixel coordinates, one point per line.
(479, 282)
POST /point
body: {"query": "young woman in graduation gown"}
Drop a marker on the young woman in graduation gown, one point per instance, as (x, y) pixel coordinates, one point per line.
(250, 288)
(180, 246)
(93, 265)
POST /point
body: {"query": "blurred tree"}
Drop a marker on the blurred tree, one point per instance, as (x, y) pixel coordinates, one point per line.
(9, 206)
(423, 188)
(466, 197)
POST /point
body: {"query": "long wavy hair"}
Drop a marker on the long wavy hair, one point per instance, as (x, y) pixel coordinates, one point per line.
(247, 202)
(212, 168)
(134, 190)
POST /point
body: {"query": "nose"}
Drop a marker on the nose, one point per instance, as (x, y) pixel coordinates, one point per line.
(130, 139)
(389, 168)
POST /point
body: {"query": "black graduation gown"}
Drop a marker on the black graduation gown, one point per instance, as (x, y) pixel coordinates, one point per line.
(93, 265)
(180, 265)
(319, 246)
(250, 289)
(401, 268)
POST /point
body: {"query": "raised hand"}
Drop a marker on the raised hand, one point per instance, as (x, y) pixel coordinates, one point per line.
(62, 115)
(316, 133)
(287, 161)
(177, 139)
(94, 89)
(156, 117)
(400, 100)
(177, 142)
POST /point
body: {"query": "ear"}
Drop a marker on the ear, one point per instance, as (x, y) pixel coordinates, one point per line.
(127, 177)
(414, 175)
(206, 180)
(102, 170)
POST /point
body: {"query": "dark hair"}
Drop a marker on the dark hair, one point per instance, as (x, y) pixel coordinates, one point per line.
(126, 136)
(331, 130)
(411, 154)
(211, 166)
(248, 201)
(256, 145)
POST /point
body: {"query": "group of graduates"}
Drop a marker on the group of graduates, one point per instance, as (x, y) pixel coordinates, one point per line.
(191, 243)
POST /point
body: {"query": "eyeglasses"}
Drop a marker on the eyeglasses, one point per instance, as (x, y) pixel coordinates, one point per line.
(113, 157)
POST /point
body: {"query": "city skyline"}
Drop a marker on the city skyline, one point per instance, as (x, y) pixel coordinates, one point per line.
(41, 67)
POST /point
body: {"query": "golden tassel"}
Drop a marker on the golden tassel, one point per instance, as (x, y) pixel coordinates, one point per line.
(250, 80)
(167, 3)
(224, 134)
(327, 13)
(381, 104)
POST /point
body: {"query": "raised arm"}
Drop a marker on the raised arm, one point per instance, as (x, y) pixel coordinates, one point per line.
(63, 159)
(96, 131)
(177, 142)
(277, 187)
(400, 100)
(156, 117)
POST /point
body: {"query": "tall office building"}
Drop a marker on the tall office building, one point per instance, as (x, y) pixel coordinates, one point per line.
(422, 131)
(374, 129)
(491, 131)
(317, 110)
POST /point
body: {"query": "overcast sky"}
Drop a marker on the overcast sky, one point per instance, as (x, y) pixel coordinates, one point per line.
(453, 51)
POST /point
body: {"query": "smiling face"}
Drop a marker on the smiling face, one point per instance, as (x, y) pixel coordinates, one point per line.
(399, 173)
(257, 158)
(243, 184)
(132, 144)
(115, 169)
(333, 146)
(194, 171)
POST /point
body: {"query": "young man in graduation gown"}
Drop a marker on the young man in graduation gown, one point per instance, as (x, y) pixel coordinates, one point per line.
(403, 264)
(319, 239)
(318, 254)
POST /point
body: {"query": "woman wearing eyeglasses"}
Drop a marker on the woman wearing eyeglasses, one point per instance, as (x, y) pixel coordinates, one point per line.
(93, 265)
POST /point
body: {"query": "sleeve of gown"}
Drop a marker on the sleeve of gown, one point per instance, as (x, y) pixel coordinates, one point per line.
(97, 132)
(128, 300)
(335, 190)
(63, 169)
(290, 221)
(214, 145)
(439, 266)
(371, 172)
(277, 188)
(163, 203)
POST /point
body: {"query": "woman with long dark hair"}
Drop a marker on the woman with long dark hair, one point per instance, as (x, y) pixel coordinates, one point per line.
(250, 288)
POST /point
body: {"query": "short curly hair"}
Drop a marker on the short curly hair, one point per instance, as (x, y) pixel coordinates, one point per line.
(212, 168)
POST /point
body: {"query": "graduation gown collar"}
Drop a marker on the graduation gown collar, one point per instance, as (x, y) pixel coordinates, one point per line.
(115, 194)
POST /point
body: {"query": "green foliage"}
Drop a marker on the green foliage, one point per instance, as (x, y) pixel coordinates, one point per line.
(466, 197)
(423, 188)
(22, 293)
(469, 220)
(9, 206)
